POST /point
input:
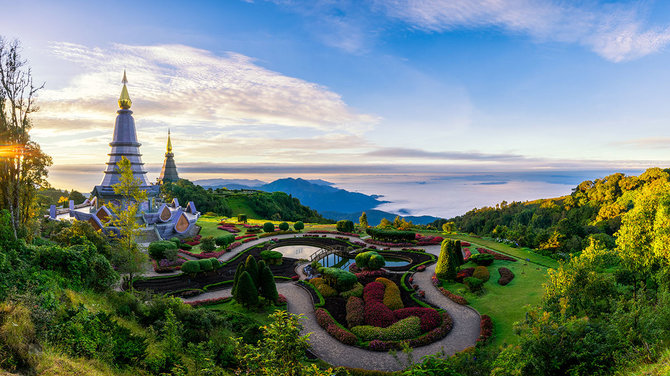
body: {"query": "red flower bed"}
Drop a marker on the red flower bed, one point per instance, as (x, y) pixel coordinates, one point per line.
(327, 322)
(464, 273)
(245, 236)
(193, 243)
(420, 268)
(377, 345)
(485, 328)
(251, 226)
(371, 273)
(465, 244)
(281, 299)
(430, 318)
(208, 301)
(387, 244)
(506, 276)
(334, 232)
(455, 298)
(232, 230)
(435, 334)
(376, 312)
(211, 254)
(496, 255)
(428, 240)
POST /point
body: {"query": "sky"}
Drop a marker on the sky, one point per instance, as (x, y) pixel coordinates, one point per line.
(374, 90)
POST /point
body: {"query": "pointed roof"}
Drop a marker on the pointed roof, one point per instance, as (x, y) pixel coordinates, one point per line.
(124, 98)
(169, 143)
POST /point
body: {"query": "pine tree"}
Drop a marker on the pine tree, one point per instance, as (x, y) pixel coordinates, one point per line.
(247, 293)
(363, 221)
(238, 272)
(252, 267)
(268, 285)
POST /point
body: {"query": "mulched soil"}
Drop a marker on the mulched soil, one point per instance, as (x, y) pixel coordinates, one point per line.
(337, 306)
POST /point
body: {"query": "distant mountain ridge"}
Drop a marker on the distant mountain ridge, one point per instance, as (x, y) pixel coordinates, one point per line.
(320, 195)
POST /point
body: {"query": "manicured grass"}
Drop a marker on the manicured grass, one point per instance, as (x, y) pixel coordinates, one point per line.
(239, 206)
(521, 253)
(259, 314)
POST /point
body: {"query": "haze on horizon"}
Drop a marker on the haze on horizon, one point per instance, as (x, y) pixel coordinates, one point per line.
(346, 90)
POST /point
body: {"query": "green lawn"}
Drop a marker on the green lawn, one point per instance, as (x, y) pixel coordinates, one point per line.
(522, 253)
(259, 314)
(505, 304)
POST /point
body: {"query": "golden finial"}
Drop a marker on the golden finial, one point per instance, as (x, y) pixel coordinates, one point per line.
(124, 99)
(169, 144)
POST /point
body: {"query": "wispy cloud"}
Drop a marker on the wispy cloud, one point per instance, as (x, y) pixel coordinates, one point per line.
(446, 155)
(645, 143)
(617, 32)
(180, 85)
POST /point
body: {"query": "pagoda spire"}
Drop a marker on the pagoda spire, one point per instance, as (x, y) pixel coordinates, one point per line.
(169, 170)
(124, 98)
(169, 143)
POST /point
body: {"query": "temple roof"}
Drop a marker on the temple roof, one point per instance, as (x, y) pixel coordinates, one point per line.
(169, 143)
(124, 98)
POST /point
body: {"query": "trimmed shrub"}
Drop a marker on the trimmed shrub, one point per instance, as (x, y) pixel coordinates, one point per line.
(284, 226)
(474, 284)
(224, 240)
(272, 257)
(298, 226)
(392, 236)
(205, 265)
(251, 267)
(376, 313)
(170, 254)
(186, 247)
(449, 260)
(316, 281)
(207, 244)
(268, 285)
(506, 276)
(191, 267)
(482, 259)
(356, 291)
(345, 226)
(341, 280)
(242, 218)
(157, 249)
(430, 318)
(482, 273)
(327, 322)
(485, 328)
(355, 311)
(392, 297)
(268, 227)
(326, 290)
(406, 328)
(215, 262)
(236, 278)
(454, 298)
(363, 260)
(374, 291)
(246, 292)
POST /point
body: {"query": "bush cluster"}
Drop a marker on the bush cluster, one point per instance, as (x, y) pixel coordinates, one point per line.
(482, 273)
(392, 297)
(224, 240)
(506, 276)
(376, 313)
(208, 244)
(370, 260)
(284, 226)
(407, 328)
(272, 257)
(355, 311)
(339, 279)
(485, 328)
(474, 284)
(345, 226)
(268, 227)
(357, 291)
(430, 318)
(464, 273)
(158, 249)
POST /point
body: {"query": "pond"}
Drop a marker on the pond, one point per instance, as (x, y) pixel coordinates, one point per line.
(297, 251)
(333, 260)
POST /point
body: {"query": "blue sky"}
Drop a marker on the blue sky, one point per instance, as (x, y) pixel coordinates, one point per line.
(431, 88)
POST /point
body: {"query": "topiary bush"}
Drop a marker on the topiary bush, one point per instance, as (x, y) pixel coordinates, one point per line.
(392, 297)
(272, 257)
(224, 240)
(207, 244)
(242, 218)
(482, 259)
(355, 311)
(357, 291)
(430, 318)
(339, 279)
(157, 249)
(473, 284)
(176, 241)
(482, 273)
(284, 226)
(298, 226)
(449, 260)
(406, 328)
(345, 226)
(506, 276)
(268, 227)
(191, 267)
(205, 265)
(325, 290)
(267, 285)
(370, 260)
(246, 292)
(170, 254)
(215, 262)
(186, 247)
(464, 273)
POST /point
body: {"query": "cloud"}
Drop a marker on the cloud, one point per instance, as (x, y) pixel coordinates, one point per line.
(616, 32)
(447, 155)
(645, 143)
(180, 85)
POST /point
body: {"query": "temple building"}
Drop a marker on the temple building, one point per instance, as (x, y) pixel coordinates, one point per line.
(124, 144)
(158, 220)
(169, 171)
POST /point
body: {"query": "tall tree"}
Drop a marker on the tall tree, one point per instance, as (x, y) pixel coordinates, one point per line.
(23, 165)
(363, 221)
(128, 258)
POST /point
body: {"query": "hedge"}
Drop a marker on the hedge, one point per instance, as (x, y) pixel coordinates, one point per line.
(205, 265)
(355, 311)
(345, 226)
(157, 249)
(392, 297)
(481, 272)
(406, 328)
(191, 267)
(224, 240)
(370, 260)
(430, 318)
(325, 290)
(326, 321)
(357, 291)
(391, 235)
(272, 257)
(482, 259)
(506, 276)
(340, 279)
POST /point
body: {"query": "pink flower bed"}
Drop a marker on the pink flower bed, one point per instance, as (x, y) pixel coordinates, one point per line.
(430, 318)
(485, 328)
(232, 230)
(428, 240)
(455, 298)
(466, 254)
(245, 236)
(208, 301)
(434, 280)
(420, 268)
(250, 226)
(334, 232)
(371, 273)
(496, 255)
(465, 244)
(281, 299)
(387, 244)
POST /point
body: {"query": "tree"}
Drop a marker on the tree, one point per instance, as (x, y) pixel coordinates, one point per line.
(252, 268)
(384, 223)
(23, 165)
(268, 227)
(284, 226)
(130, 259)
(280, 352)
(236, 278)
(363, 221)
(246, 291)
(448, 227)
(345, 225)
(208, 244)
(268, 285)
(76, 196)
(298, 226)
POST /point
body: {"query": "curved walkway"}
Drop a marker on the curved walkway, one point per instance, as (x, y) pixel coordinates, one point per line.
(463, 335)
